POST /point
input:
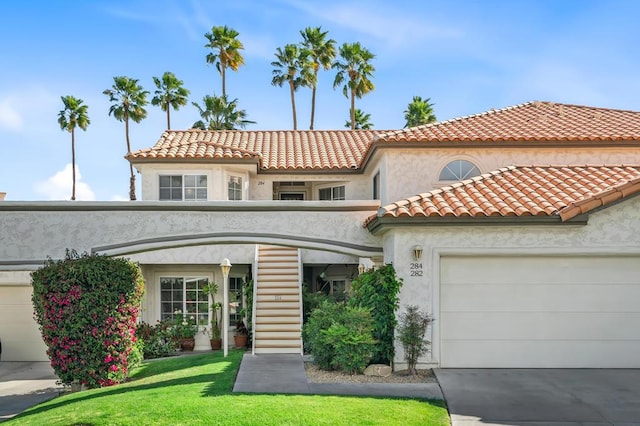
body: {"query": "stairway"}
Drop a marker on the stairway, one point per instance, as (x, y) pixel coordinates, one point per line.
(277, 325)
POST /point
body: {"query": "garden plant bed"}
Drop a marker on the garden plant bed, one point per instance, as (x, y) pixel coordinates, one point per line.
(316, 375)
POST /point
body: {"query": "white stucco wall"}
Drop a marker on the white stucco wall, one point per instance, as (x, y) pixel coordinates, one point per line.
(614, 230)
(413, 171)
(33, 231)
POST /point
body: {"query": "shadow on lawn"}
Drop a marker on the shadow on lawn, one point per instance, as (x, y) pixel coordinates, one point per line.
(219, 383)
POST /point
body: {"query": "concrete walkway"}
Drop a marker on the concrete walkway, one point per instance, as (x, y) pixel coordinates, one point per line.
(284, 373)
(25, 384)
(535, 397)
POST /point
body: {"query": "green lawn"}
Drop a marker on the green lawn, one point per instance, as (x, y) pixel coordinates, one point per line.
(196, 390)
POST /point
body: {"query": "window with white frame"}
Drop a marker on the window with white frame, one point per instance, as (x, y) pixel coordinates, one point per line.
(183, 187)
(332, 193)
(184, 294)
(376, 186)
(236, 304)
(459, 170)
(234, 187)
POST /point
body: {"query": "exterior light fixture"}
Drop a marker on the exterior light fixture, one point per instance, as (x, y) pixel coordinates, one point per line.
(225, 265)
(417, 252)
(360, 269)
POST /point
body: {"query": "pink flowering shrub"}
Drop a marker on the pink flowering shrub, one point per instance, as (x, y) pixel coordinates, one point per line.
(87, 308)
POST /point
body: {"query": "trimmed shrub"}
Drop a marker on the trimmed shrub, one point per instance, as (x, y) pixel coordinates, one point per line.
(339, 337)
(351, 340)
(87, 307)
(378, 292)
(411, 334)
(321, 319)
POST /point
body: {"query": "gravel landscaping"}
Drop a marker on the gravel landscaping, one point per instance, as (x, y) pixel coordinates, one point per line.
(316, 375)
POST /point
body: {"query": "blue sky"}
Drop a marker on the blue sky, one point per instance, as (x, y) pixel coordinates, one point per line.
(467, 56)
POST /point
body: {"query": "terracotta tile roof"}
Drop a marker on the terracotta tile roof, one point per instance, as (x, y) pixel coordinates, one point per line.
(532, 121)
(565, 191)
(275, 150)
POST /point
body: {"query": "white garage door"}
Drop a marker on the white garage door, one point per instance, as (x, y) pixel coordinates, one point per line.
(540, 312)
(21, 340)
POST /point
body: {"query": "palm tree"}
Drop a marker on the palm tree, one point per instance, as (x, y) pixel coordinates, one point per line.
(363, 121)
(170, 94)
(419, 112)
(128, 100)
(293, 67)
(322, 52)
(219, 114)
(73, 115)
(355, 71)
(226, 51)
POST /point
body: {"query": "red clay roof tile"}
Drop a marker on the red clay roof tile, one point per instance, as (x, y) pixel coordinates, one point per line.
(531, 121)
(565, 191)
(289, 150)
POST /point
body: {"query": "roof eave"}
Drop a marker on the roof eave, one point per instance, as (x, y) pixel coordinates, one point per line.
(379, 224)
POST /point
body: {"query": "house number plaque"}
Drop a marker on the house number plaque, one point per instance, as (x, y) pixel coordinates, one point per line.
(415, 269)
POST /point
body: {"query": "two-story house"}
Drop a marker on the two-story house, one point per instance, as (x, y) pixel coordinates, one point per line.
(516, 228)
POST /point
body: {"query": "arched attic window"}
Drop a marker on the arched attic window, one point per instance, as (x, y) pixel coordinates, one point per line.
(459, 170)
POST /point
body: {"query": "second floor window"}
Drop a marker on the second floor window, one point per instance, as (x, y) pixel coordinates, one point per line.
(334, 193)
(235, 188)
(183, 188)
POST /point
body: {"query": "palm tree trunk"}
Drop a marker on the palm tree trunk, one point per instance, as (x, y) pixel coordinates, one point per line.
(293, 105)
(313, 100)
(132, 177)
(224, 83)
(73, 164)
(353, 109)
(168, 116)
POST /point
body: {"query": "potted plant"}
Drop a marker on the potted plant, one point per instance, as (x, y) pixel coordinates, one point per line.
(184, 330)
(211, 289)
(242, 334)
(215, 337)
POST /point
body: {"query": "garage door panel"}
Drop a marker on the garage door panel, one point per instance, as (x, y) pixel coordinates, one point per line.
(536, 297)
(540, 354)
(540, 269)
(21, 339)
(539, 326)
(540, 311)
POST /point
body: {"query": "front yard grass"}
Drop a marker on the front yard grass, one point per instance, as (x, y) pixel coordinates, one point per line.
(196, 390)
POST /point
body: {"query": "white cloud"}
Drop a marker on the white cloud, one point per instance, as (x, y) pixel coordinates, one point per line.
(10, 118)
(58, 186)
(386, 24)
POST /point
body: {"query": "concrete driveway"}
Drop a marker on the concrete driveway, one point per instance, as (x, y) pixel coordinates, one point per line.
(541, 396)
(23, 385)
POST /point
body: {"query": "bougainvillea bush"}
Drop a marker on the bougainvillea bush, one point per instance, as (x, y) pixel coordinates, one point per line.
(87, 307)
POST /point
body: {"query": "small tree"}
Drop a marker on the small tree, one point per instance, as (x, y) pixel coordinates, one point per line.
(411, 334)
(87, 308)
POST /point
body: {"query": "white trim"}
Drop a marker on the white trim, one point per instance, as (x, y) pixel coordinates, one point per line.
(300, 279)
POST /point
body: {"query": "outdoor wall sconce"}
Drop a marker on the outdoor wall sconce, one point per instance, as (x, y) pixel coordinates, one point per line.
(417, 252)
(360, 269)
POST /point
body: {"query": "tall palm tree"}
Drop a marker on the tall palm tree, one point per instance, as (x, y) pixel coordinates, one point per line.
(322, 52)
(170, 94)
(355, 71)
(128, 101)
(219, 114)
(73, 115)
(225, 46)
(292, 67)
(363, 121)
(419, 112)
